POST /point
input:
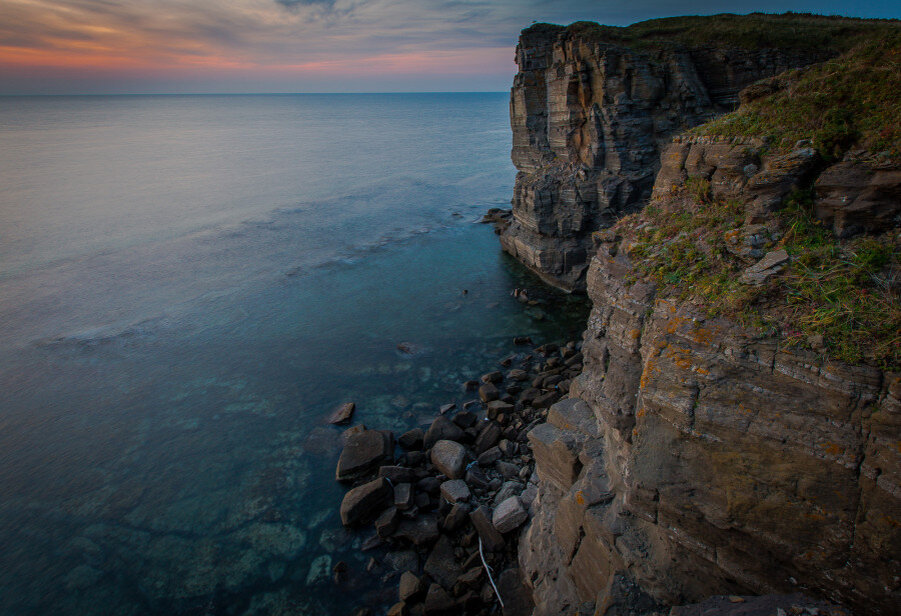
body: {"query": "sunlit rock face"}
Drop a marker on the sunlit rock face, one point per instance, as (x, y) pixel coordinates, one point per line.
(589, 118)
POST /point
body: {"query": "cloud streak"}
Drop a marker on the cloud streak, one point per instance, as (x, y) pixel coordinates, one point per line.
(296, 43)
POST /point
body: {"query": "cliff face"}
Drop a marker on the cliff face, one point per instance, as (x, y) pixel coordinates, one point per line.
(588, 120)
(697, 456)
(708, 460)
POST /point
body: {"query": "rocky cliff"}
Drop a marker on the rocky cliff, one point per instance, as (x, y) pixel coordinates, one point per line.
(589, 112)
(727, 434)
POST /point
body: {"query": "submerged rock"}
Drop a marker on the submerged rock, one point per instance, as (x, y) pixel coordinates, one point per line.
(342, 414)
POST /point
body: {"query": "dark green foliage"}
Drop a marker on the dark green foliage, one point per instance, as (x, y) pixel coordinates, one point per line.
(755, 31)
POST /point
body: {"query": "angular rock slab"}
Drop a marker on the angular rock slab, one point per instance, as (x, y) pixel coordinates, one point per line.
(366, 502)
(455, 491)
(342, 414)
(364, 452)
(509, 515)
(481, 520)
(441, 564)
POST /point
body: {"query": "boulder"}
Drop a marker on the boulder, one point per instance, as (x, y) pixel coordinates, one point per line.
(490, 456)
(412, 439)
(456, 516)
(544, 400)
(387, 522)
(509, 515)
(492, 540)
(364, 452)
(403, 496)
(518, 375)
(556, 454)
(496, 407)
(396, 474)
(465, 419)
(442, 429)
(488, 392)
(449, 458)
(398, 609)
(366, 502)
(421, 531)
(437, 601)
(488, 437)
(455, 491)
(517, 597)
(441, 564)
(410, 586)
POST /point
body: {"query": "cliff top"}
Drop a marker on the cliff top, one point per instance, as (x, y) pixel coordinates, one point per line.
(850, 101)
(753, 31)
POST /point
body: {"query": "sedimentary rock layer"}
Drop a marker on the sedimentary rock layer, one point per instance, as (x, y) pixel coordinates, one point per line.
(703, 458)
(589, 117)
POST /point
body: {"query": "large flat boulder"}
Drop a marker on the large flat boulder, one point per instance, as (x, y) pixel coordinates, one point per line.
(364, 452)
(364, 503)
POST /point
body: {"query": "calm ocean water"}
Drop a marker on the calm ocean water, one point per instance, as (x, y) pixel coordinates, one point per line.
(188, 284)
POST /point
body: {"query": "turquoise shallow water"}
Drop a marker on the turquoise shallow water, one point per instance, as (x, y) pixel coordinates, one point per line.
(187, 286)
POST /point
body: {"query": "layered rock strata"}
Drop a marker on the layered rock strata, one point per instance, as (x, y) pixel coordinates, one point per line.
(589, 117)
(698, 457)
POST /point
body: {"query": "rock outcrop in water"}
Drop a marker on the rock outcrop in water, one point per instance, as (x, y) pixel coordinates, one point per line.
(589, 116)
(696, 456)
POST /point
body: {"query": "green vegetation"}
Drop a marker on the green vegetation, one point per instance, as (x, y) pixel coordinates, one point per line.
(842, 290)
(852, 100)
(821, 34)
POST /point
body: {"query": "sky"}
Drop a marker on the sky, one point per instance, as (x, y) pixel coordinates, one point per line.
(247, 46)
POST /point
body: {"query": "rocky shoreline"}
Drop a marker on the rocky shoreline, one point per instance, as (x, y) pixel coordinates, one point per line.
(446, 508)
(447, 502)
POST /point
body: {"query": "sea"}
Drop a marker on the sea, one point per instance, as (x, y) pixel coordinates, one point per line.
(189, 286)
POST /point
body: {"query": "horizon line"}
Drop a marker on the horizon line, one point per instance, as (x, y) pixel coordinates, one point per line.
(13, 95)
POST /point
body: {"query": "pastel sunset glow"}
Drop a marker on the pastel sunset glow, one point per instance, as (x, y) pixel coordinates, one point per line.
(95, 46)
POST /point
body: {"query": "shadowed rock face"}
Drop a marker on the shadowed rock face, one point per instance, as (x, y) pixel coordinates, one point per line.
(702, 459)
(588, 121)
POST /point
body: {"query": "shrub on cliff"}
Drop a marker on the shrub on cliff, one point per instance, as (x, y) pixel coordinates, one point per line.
(820, 33)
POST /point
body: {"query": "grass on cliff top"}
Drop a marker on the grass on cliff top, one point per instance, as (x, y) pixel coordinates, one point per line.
(839, 297)
(852, 100)
(830, 35)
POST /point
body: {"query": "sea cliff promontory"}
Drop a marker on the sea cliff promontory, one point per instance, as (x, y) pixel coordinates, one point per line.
(736, 428)
(592, 106)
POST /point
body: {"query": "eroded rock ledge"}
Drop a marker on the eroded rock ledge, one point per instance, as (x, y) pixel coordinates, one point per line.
(589, 117)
